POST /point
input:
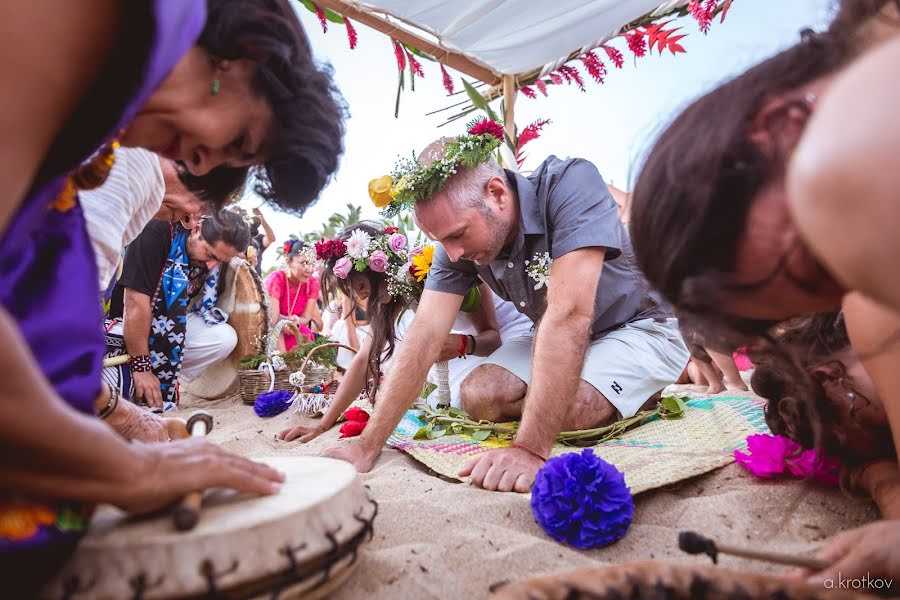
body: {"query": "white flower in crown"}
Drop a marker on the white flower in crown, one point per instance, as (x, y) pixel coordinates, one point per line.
(358, 244)
(538, 268)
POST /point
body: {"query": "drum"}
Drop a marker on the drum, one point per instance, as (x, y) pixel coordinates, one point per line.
(302, 542)
(665, 581)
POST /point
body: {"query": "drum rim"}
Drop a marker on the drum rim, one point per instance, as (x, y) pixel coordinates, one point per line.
(275, 583)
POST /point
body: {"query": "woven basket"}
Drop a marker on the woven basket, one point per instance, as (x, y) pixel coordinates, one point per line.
(309, 400)
(259, 381)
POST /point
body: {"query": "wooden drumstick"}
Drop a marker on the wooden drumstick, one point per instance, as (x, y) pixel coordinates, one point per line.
(187, 513)
(694, 543)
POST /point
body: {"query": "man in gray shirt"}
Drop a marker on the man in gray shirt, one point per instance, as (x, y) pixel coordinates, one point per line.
(605, 344)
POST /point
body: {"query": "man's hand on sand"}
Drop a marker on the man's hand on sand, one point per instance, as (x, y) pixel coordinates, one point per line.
(356, 452)
(503, 470)
(135, 423)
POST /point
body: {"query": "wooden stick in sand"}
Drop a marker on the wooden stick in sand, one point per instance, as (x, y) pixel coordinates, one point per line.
(187, 513)
(694, 543)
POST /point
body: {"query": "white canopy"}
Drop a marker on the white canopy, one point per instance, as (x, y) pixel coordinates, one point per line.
(487, 39)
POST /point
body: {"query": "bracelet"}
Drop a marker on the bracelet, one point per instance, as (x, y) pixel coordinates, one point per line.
(528, 450)
(461, 349)
(111, 404)
(141, 364)
(472, 337)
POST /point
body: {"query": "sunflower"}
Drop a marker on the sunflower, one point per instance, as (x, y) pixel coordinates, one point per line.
(422, 262)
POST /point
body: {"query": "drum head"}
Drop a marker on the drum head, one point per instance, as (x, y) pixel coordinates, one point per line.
(301, 539)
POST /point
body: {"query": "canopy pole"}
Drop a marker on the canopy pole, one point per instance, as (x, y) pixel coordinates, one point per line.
(509, 103)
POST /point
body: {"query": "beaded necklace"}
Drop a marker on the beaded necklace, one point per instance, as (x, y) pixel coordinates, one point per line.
(87, 176)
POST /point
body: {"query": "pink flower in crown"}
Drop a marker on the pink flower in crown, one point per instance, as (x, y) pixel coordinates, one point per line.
(390, 229)
(767, 455)
(487, 126)
(417, 250)
(397, 242)
(342, 267)
(378, 261)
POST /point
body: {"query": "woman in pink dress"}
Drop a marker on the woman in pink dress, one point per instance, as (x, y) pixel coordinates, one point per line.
(294, 293)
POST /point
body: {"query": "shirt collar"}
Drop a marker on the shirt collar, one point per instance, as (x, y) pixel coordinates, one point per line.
(529, 213)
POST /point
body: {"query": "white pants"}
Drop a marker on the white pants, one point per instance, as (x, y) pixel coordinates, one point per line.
(204, 345)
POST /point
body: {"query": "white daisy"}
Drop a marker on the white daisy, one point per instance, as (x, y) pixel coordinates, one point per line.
(358, 244)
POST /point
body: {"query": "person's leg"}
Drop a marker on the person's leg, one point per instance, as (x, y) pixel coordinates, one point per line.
(713, 378)
(492, 393)
(204, 345)
(730, 372)
(629, 366)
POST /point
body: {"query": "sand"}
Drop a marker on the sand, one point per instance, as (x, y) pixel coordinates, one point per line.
(440, 539)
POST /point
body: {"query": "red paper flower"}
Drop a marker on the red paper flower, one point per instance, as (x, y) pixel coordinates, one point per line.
(487, 126)
(356, 422)
(772, 455)
(287, 246)
(352, 428)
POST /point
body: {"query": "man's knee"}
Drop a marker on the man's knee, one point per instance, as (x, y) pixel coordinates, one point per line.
(590, 409)
(487, 390)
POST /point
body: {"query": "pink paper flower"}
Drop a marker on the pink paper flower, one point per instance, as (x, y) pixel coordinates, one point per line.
(772, 455)
(378, 261)
(397, 242)
(342, 268)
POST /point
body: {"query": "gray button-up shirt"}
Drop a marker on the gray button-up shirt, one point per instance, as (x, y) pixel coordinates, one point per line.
(564, 206)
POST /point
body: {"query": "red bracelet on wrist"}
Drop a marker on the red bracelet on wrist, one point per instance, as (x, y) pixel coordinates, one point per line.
(461, 349)
(528, 450)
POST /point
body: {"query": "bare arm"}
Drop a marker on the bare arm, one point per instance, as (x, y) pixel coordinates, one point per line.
(138, 315)
(881, 479)
(312, 315)
(268, 235)
(61, 48)
(47, 449)
(402, 386)
(487, 338)
(555, 374)
(350, 321)
(875, 336)
(352, 384)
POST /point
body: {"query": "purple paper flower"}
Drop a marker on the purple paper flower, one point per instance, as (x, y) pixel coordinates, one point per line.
(397, 242)
(342, 267)
(378, 261)
(272, 403)
(582, 500)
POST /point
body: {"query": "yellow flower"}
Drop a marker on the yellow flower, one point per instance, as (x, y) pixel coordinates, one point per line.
(422, 262)
(401, 185)
(380, 191)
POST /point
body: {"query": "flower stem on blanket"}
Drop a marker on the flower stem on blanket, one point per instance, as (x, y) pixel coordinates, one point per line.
(454, 421)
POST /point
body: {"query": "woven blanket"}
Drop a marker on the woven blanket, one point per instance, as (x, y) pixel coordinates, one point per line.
(658, 453)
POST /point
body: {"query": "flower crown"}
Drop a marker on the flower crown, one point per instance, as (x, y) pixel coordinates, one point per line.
(307, 251)
(411, 181)
(388, 252)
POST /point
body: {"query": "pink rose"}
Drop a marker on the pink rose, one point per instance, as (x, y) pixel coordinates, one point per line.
(378, 261)
(415, 251)
(342, 267)
(397, 242)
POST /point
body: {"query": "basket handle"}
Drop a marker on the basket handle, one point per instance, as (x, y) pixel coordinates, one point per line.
(328, 345)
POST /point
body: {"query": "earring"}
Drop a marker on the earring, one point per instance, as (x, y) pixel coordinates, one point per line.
(810, 98)
(215, 87)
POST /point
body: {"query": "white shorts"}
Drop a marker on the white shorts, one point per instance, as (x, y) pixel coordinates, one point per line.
(627, 365)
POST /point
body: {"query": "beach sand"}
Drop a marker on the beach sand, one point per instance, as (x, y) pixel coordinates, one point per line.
(441, 539)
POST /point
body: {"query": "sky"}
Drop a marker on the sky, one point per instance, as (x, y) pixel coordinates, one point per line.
(613, 125)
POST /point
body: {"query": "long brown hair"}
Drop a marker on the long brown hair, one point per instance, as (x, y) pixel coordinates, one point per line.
(693, 195)
(383, 316)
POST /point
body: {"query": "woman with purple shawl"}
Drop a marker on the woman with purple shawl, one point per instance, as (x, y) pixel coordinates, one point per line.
(219, 86)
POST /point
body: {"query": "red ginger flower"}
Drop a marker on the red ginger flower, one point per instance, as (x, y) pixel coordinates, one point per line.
(488, 127)
(615, 56)
(414, 65)
(595, 67)
(322, 20)
(532, 132)
(352, 37)
(390, 229)
(448, 81)
(399, 54)
(541, 86)
(703, 12)
(636, 43)
(572, 76)
(528, 92)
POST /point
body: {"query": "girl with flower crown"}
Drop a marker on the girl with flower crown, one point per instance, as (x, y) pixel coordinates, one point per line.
(294, 293)
(374, 264)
